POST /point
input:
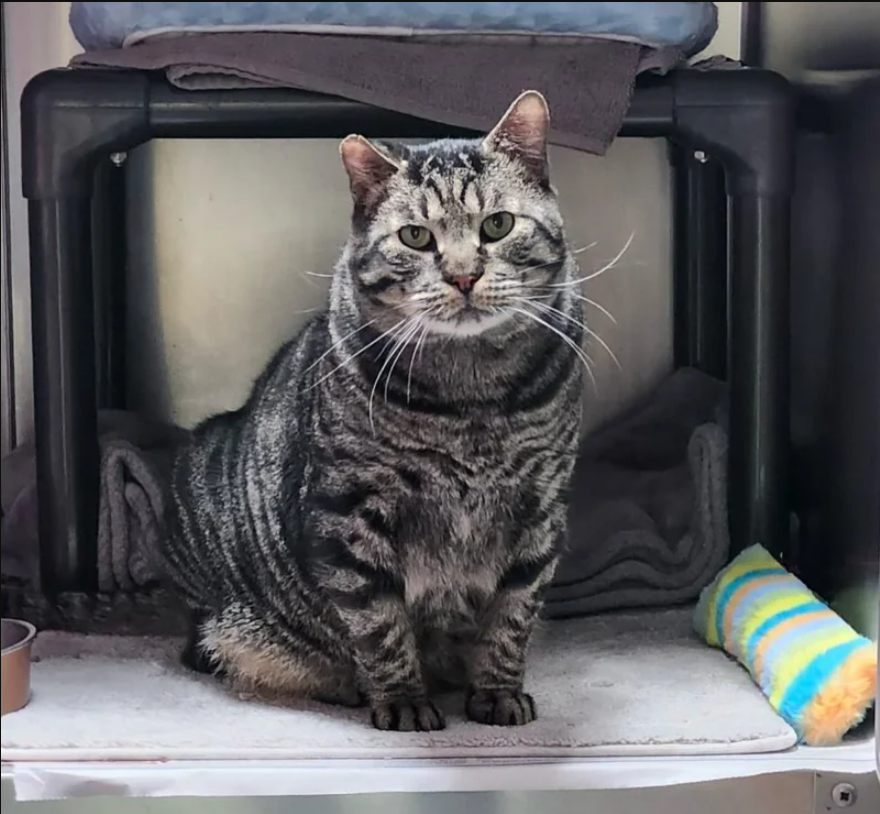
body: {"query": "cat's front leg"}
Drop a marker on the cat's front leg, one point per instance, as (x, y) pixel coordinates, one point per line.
(387, 655)
(495, 695)
(369, 602)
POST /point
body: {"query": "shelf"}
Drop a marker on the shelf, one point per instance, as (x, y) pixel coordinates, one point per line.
(57, 780)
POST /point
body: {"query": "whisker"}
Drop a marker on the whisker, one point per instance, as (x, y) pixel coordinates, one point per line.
(392, 341)
(595, 305)
(550, 309)
(355, 356)
(316, 274)
(604, 344)
(410, 335)
(337, 344)
(416, 351)
(581, 297)
(540, 266)
(404, 328)
(568, 341)
(582, 249)
(607, 267)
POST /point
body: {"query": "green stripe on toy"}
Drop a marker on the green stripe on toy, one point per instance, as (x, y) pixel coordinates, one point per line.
(818, 673)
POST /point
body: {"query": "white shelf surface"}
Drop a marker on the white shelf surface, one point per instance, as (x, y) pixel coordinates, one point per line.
(65, 780)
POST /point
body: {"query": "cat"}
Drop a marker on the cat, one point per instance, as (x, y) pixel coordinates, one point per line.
(377, 522)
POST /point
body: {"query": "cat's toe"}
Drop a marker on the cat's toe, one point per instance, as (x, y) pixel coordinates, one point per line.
(407, 715)
(501, 707)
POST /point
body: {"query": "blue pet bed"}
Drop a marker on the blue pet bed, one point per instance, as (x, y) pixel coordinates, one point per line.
(690, 26)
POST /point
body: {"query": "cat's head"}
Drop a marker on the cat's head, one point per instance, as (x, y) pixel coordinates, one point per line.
(455, 233)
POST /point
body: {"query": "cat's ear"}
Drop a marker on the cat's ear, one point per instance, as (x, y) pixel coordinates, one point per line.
(369, 168)
(522, 133)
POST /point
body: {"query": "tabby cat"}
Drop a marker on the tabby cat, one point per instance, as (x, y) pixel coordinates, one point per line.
(377, 521)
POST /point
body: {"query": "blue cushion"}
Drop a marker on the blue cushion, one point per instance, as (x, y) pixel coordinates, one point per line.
(688, 25)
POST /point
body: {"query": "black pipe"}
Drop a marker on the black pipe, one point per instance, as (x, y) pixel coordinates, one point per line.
(64, 392)
(759, 371)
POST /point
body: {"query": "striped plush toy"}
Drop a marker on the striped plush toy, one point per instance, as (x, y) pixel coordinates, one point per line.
(818, 673)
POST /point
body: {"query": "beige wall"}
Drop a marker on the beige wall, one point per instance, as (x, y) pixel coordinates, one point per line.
(225, 233)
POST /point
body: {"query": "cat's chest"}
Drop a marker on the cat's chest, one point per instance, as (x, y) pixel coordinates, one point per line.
(472, 451)
(449, 582)
(457, 548)
(456, 542)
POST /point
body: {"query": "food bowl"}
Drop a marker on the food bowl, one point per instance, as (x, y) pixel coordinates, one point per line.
(15, 681)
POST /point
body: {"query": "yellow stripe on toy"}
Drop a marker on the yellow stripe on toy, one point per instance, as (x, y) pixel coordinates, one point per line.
(816, 671)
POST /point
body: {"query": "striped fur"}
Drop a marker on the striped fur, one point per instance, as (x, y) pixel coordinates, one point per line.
(378, 520)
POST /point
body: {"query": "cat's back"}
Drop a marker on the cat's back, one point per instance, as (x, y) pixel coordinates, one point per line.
(229, 480)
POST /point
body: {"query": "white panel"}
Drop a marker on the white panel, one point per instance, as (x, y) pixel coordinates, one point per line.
(727, 38)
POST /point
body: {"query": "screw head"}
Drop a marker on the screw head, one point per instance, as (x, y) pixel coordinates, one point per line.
(844, 795)
(700, 156)
(118, 159)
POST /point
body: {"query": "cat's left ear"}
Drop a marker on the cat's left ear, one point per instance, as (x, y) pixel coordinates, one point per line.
(522, 133)
(369, 168)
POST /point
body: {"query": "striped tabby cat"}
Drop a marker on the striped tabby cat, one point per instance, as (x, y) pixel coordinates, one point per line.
(377, 521)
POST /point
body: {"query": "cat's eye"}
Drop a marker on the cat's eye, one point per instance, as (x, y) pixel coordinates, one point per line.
(416, 237)
(497, 226)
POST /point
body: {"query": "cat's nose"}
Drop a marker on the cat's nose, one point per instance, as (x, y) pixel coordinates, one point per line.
(465, 282)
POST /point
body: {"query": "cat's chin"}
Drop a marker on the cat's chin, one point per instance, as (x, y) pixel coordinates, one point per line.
(467, 325)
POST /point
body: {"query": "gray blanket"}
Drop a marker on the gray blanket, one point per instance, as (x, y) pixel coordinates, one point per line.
(136, 454)
(648, 522)
(648, 525)
(588, 83)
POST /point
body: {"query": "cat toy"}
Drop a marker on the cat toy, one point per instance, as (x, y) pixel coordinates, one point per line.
(818, 673)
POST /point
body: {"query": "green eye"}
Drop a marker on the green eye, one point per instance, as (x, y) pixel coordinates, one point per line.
(416, 237)
(497, 226)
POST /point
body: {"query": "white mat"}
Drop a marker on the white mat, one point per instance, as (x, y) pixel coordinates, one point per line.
(635, 684)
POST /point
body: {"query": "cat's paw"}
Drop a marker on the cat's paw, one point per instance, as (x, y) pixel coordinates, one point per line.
(406, 715)
(501, 707)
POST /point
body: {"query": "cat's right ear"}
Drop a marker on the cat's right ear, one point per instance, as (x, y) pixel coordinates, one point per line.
(369, 169)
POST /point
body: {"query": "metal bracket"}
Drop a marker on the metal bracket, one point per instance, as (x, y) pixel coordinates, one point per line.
(846, 793)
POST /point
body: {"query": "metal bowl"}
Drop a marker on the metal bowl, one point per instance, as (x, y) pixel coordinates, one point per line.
(15, 681)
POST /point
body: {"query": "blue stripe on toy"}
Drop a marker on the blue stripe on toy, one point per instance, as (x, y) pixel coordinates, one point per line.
(768, 624)
(731, 587)
(752, 603)
(802, 690)
(794, 635)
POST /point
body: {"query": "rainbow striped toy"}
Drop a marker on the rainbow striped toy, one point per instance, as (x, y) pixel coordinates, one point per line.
(818, 673)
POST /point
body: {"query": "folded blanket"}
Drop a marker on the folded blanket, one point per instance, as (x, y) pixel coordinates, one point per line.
(691, 26)
(455, 63)
(136, 458)
(588, 83)
(136, 453)
(649, 525)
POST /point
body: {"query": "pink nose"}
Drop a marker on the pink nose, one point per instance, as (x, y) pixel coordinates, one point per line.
(465, 282)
